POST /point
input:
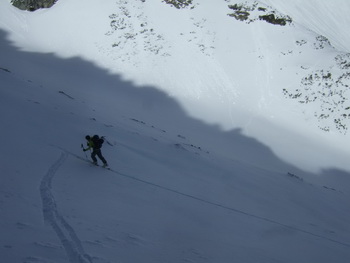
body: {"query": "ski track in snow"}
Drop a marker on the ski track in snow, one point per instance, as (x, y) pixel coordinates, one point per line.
(64, 231)
(231, 209)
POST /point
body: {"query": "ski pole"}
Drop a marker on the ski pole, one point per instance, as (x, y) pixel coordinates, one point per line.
(108, 142)
(84, 151)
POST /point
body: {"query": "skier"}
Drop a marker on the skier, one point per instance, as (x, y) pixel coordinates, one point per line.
(95, 143)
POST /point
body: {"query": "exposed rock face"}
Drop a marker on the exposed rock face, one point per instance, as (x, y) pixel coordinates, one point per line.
(272, 19)
(252, 12)
(32, 5)
(179, 3)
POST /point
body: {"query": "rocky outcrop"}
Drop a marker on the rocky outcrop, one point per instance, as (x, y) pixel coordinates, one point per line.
(32, 5)
(253, 12)
(327, 90)
(179, 3)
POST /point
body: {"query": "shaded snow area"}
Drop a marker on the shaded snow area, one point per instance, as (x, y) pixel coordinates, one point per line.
(211, 159)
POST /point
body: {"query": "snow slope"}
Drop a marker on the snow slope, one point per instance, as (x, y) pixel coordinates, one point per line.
(182, 188)
(201, 58)
(330, 20)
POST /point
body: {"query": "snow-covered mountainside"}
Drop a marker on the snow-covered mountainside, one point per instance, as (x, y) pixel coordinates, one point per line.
(225, 130)
(260, 77)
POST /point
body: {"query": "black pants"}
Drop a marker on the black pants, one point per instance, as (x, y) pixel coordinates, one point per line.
(99, 155)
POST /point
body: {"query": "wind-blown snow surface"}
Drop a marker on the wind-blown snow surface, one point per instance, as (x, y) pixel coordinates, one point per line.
(181, 189)
(327, 18)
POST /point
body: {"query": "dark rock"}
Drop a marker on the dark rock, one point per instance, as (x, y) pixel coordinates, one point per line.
(179, 3)
(32, 5)
(272, 19)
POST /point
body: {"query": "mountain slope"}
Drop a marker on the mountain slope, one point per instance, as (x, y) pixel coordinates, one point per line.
(330, 20)
(180, 189)
(221, 71)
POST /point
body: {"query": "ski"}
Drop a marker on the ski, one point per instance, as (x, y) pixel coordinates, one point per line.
(101, 166)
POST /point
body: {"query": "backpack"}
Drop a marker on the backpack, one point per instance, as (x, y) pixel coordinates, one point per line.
(97, 141)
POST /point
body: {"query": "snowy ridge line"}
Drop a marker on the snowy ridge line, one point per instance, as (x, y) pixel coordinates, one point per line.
(64, 231)
(215, 204)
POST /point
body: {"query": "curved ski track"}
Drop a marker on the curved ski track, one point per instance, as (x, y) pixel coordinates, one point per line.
(74, 248)
(64, 231)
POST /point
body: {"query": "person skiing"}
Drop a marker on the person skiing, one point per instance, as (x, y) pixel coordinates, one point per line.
(95, 143)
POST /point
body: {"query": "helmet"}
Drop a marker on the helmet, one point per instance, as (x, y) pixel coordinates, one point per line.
(87, 137)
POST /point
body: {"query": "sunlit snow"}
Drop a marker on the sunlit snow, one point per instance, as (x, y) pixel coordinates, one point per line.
(210, 161)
